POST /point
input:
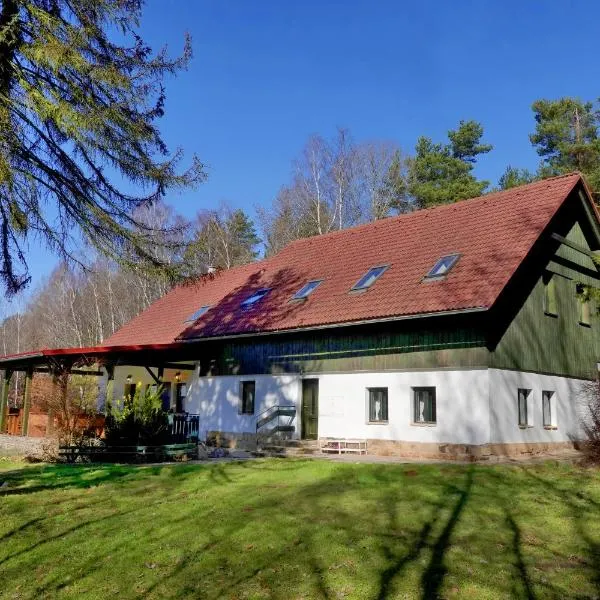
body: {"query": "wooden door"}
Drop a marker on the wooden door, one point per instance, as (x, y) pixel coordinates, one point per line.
(310, 409)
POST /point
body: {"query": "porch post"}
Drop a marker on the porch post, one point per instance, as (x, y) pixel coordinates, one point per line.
(4, 399)
(110, 388)
(27, 401)
(53, 401)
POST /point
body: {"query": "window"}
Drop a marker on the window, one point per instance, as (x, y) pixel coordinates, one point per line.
(369, 278)
(523, 407)
(180, 394)
(129, 391)
(165, 393)
(256, 297)
(197, 314)
(585, 314)
(247, 394)
(583, 302)
(550, 305)
(378, 405)
(548, 409)
(443, 266)
(424, 409)
(305, 291)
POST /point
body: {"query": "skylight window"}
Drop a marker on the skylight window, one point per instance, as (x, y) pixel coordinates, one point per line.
(443, 266)
(256, 297)
(369, 278)
(305, 291)
(197, 314)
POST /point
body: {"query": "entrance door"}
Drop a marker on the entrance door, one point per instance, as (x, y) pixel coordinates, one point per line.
(310, 409)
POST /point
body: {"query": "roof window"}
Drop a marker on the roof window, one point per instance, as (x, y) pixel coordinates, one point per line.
(443, 266)
(256, 297)
(197, 314)
(306, 290)
(369, 278)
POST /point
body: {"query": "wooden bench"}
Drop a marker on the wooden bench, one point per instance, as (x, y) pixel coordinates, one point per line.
(343, 446)
(189, 450)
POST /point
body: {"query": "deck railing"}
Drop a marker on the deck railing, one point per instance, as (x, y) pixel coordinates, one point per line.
(184, 427)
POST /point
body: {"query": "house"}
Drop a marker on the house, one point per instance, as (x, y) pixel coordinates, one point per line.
(453, 331)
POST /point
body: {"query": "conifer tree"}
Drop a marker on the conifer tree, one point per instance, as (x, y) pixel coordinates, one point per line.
(513, 176)
(80, 96)
(442, 173)
(567, 138)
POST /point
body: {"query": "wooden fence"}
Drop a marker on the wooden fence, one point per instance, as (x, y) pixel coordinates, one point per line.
(38, 423)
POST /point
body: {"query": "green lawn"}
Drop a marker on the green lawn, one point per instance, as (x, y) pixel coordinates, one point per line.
(287, 529)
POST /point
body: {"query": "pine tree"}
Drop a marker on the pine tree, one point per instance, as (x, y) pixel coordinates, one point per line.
(80, 96)
(566, 137)
(513, 176)
(442, 173)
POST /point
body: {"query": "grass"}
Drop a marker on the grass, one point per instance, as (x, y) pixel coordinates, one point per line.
(284, 529)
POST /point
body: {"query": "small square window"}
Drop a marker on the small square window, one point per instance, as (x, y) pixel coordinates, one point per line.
(443, 266)
(247, 397)
(583, 305)
(549, 409)
(378, 405)
(256, 297)
(424, 405)
(307, 289)
(369, 278)
(550, 304)
(525, 419)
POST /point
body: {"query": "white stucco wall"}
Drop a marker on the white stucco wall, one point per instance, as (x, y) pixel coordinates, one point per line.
(461, 398)
(217, 400)
(474, 406)
(462, 404)
(504, 420)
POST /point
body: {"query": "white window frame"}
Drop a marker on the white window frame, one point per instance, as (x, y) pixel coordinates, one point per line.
(421, 388)
(368, 404)
(528, 408)
(553, 423)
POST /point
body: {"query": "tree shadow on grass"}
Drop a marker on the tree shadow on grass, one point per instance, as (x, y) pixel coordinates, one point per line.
(433, 576)
(282, 528)
(581, 506)
(57, 477)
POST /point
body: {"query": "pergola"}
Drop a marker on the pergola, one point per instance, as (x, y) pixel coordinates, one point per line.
(95, 360)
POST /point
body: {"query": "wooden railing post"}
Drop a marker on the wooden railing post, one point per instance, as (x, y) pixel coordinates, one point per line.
(27, 401)
(4, 399)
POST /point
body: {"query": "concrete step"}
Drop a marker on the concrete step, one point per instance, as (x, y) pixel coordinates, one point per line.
(290, 448)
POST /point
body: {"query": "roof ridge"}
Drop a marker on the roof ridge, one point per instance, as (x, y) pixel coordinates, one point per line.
(439, 208)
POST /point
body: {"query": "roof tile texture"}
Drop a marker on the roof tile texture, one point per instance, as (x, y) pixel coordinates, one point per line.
(493, 234)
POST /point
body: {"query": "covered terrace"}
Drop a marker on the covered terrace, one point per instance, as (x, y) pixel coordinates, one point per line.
(96, 361)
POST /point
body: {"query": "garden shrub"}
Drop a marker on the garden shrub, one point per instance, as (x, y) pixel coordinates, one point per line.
(137, 421)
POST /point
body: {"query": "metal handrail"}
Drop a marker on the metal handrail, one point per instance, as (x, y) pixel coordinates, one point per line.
(276, 411)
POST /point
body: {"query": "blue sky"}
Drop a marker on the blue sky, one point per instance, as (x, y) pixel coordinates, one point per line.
(266, 75)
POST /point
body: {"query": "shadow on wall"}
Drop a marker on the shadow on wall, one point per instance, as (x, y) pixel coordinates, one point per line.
(218, 401)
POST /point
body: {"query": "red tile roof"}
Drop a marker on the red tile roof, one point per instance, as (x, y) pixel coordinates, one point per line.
(493, 234)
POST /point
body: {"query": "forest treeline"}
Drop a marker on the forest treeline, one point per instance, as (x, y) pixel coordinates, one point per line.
(335, 183)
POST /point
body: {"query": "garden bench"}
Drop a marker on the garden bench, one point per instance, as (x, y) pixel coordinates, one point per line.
(343, 446)
(180, 450)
